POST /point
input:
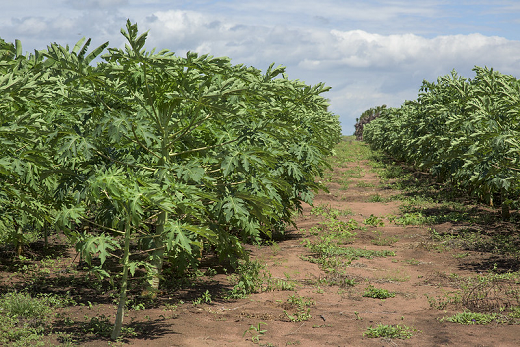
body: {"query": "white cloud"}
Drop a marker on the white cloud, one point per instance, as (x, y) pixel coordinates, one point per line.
(95, 4)
(371, 52)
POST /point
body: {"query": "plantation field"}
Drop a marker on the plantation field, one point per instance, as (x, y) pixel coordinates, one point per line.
(386, 257)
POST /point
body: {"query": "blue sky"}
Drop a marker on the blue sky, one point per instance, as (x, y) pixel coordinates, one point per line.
(369, 52)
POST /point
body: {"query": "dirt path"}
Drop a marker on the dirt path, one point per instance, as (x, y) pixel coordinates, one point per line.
(326, 304)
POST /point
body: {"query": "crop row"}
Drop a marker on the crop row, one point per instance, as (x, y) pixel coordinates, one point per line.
(464, 131)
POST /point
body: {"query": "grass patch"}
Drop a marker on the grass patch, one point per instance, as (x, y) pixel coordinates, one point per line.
(26, 320)
(384, 241)
(471, 318)
(390, 331)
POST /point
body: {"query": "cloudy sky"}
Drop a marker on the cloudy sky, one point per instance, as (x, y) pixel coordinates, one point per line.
(370, 52)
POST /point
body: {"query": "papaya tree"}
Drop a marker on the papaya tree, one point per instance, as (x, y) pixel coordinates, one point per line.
(161, 155)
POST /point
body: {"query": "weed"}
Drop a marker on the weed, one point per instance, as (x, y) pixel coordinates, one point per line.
(365, 184)
(24, 306)
(384, 241)
(256, 332)
(395, 275)
(413, 218)
(374, 221)
(326, 247)
(376, 198)
(413, 261)
(302, 308)
(248, 280)
(24, 319)
(98, 326)
(390, 331)
(376, 293)
(172, 308)
(278, 283)
(210, 272)
(325, 210)
(442, 302)
(349, 282)
(204, 298)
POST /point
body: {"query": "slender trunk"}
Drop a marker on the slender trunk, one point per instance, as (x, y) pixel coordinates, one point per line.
(124, 286)
(506, 215)
(158, 252)
(157, 257)
(45, 235)
(19, 240)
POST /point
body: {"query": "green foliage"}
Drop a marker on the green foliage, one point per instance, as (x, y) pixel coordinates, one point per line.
(390, 331)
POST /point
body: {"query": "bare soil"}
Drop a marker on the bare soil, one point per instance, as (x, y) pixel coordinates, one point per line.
(422, 267)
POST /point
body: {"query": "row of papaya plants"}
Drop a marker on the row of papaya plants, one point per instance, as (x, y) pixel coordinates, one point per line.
(146, 157)
(464, 131)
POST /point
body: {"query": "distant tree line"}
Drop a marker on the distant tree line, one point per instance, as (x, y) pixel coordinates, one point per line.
(366, 117)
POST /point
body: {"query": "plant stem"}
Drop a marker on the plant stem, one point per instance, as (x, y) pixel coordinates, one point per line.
(124, 285)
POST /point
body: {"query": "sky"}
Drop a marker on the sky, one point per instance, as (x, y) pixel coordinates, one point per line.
(369, 52)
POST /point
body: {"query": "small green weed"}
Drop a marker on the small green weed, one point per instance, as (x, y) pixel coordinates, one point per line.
(248, 279)
(413, 261)
(384, 241)
(204, 298)
(376, 293)
(365, 184)
(376, 198)
(412, 218)
(256, 332)
(24, 320)
(302, 308)
(278, 283)
(24, 306)
(442, 302)
(98, 326)
(374, 221)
